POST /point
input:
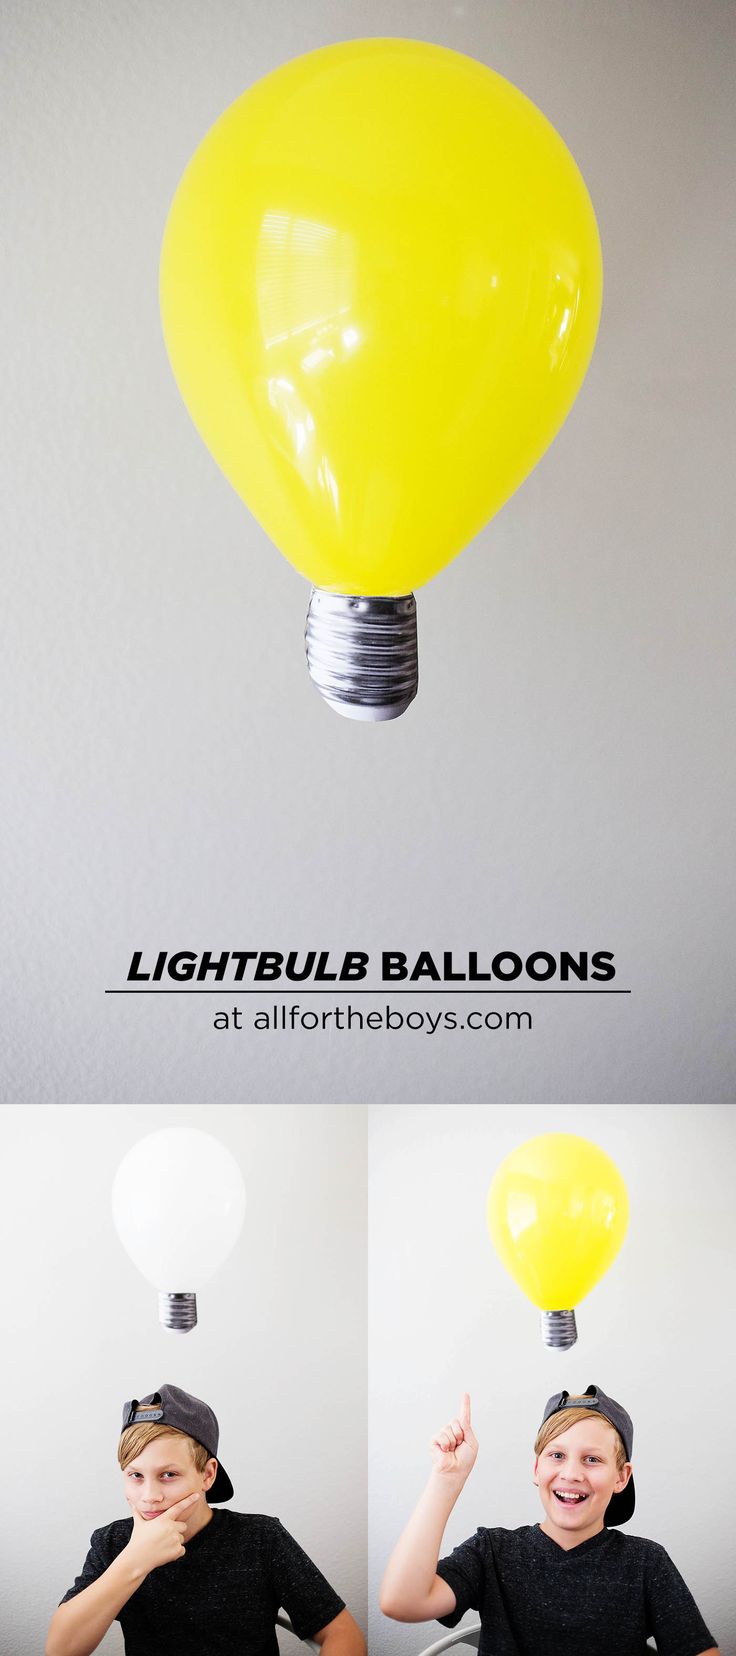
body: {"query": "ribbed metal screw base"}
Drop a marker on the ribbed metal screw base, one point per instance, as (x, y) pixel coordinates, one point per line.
(178, 1311)
(362, 653)
(559, 1329)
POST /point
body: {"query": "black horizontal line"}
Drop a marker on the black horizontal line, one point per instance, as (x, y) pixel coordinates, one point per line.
(234, 988)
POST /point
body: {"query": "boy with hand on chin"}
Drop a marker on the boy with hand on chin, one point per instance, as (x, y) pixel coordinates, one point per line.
(182, 1579)
(572, 1583)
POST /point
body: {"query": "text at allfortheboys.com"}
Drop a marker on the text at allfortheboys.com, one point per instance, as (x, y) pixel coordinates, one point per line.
(352, 1018)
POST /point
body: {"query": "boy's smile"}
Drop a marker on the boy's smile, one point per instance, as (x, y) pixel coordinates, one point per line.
(577, 1475)
(165, 1473)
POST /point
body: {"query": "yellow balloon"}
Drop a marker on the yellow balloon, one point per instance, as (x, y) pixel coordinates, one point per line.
(557, 1215)
(380, 290)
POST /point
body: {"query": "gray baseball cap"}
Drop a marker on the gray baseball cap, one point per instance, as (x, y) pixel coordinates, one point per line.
(170, 1406)
(621, 1506)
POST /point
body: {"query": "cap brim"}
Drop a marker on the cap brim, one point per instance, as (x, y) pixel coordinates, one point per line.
(621, 1506)
(222, 1489)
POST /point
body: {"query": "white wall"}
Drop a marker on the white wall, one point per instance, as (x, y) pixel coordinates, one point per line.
(279, 1350)
(658, 1333)
(564, 779)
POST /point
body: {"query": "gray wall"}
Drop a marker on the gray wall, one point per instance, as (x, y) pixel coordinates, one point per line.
(172, 780)
(657, 1333)
(279, 1350)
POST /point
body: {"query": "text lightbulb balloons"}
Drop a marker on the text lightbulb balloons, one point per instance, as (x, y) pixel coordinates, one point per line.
(380, 290)
(557, 1214)
(178, 1201)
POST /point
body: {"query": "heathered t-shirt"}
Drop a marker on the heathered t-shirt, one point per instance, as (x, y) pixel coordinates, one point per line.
(605, 1597)
(223, 1596)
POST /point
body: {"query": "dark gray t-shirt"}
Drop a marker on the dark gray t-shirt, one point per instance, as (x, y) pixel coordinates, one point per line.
(223, 1596)
(605, 1597)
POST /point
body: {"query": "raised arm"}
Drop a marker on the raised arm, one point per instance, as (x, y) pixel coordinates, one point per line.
(80, 1625)
(412, 1590)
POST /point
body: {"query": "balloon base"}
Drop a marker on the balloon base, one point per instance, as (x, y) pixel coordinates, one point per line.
(559, 1329)
(178, 1311)
(362, 653)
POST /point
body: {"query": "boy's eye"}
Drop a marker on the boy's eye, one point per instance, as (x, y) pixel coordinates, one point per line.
(136, 1475)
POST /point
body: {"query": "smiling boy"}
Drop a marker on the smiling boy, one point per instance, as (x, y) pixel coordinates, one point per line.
(571, 1583)
(180, 1578)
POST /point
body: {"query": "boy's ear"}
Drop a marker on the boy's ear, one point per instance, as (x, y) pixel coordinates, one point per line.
(536, 1464)
(623, 1477)
(210, 1473)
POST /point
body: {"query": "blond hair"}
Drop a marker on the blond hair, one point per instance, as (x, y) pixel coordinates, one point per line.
(137, 1438)
(563, 1418)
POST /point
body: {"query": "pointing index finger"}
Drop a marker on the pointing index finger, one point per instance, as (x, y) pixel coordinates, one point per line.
(465, 1410)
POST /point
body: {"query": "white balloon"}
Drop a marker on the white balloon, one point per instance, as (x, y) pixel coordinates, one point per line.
(178, 1202)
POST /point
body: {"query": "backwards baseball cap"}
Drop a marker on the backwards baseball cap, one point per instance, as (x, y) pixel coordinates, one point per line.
(170, 1406)
(621, 1506)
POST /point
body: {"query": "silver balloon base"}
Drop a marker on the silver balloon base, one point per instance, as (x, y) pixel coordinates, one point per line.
(362, 653)
(559, 1329)
(178, 1311)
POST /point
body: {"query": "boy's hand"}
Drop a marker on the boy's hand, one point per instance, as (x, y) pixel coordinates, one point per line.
(156, 1541)
(455, 1447)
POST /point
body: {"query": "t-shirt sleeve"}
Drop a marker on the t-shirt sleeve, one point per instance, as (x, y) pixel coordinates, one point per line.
(674, 1617)
(464, 1571)
(95, 1564)
(301, 1589)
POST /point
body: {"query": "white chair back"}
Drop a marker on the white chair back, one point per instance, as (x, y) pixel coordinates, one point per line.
(283, 1621)
(471, 1636)
(461, 1636)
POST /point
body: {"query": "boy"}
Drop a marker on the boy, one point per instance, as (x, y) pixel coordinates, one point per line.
(570, 1584)
(182, 1579)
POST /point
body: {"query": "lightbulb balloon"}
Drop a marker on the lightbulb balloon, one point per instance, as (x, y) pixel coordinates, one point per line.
(557, 1215)
(380, 290)
(178, 1201)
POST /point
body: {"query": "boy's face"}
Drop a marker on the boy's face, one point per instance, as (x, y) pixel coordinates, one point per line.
(163, 1473)
(577, 1475)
